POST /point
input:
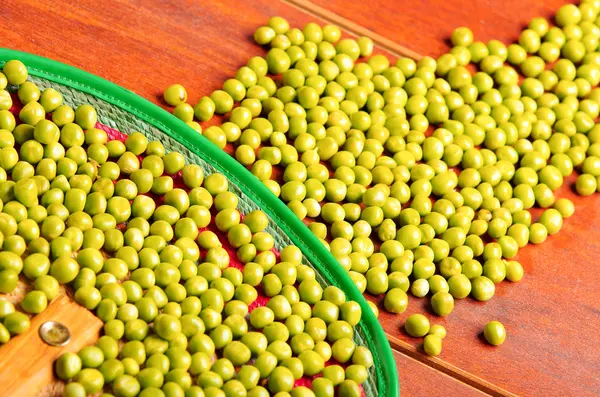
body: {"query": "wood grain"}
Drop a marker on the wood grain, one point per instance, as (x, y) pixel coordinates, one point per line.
(558, 302)
(351, 27)
(545, 348)
(424, 26)
(552, 316)
(26, 361)
(143, 46)
(420, 380)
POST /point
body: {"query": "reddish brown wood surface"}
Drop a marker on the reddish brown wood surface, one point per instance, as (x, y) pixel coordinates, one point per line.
(558, 301)
(420, 380)
(424, 26)
(552, 317)
(144, 45)
(546, 317)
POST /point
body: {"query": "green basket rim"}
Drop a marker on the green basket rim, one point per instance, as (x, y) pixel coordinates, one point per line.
(319, 256)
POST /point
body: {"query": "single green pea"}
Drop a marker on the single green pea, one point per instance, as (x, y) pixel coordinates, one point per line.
(483, 288)
(514, 271)
(586, 184)
(175, 94)
(48, 285)
(494, 333)
(74, 389)
(537, 233)
(67, 366)
(565, 207)
(17, 323)
(442, 304)
(432, 345)
(15, 72)
(437, 330)
(417, 325)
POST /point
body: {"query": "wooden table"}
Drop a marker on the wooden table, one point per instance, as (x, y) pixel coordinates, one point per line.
(552, 316)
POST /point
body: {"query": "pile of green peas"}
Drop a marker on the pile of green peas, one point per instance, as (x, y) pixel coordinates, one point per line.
(420, 175)
(194, 299)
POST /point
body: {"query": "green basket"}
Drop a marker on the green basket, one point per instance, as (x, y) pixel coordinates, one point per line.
(125, 111)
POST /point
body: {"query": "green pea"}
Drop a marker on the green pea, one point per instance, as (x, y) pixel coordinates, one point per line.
(15, 72)
(432, 345)
(67, 366)
(34, 302)
(494, 333)
(483, 288)
(417, 325)
(17, 323)
(537, 233)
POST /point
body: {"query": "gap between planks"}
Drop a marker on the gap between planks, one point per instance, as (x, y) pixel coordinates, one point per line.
(445, 367)
(351, 27)
(398, 345)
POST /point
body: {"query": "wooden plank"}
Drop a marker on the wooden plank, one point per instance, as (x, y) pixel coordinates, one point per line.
(26, 361)
(424, 26)
(551, 316)
(557, 302)
(390, 47)
(544, 354)
(547, 316)
(419, 380)
(143, 46)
